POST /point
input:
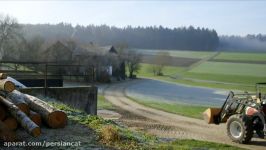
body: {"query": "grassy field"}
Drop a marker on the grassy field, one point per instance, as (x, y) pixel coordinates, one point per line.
(226, 75)
(180, 109)
(224, 68)
(237, 79)
(242, 56)
(178, 53)
(245, 83)
(146, 70)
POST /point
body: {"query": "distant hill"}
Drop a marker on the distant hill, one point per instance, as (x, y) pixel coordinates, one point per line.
(188, 38)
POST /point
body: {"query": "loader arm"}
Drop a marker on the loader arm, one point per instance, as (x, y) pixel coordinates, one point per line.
(221, 116)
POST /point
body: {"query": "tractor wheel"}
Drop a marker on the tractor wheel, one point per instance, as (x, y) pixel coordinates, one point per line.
(239, 129)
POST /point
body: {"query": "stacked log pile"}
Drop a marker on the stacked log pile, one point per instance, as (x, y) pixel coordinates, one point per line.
(25, 111)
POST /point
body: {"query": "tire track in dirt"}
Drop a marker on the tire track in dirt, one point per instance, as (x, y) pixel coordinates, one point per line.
(184, 127)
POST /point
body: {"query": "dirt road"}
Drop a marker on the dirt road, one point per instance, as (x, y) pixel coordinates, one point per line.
(170, 125)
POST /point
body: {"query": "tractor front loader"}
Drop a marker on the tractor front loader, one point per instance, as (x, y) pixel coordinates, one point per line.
(243, 113)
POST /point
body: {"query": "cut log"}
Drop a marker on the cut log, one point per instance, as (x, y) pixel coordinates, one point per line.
(6, 85)
(11, 123)
(6, 134)
(2, 113)
(36, 118)
(3, 75)
(18, 99)
(53, 117)
(22, 118)
(208, 114)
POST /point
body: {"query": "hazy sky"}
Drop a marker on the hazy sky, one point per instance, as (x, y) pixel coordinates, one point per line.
(226, 17)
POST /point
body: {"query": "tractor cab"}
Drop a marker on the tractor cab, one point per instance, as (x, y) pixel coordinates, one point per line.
(261, 95)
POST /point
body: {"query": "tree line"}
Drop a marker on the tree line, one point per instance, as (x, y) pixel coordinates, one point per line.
(183, 38)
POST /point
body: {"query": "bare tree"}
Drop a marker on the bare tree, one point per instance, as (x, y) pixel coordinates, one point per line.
(160, 60)
(133, 62)
(31, 49)
(9, 31)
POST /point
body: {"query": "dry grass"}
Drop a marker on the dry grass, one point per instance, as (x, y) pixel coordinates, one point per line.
(109, 134)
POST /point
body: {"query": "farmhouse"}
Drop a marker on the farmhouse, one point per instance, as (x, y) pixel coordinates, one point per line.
(116, 66)
(105, 60)
(57, 53)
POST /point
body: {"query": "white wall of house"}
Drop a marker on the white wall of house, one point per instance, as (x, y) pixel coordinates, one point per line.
(110, 70)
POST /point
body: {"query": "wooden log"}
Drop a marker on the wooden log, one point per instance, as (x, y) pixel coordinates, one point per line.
(3, 75)
(6, 85)
(53, 117)
(6, 134)
(22, 118)
(208, 114)
(2, 113)
(36, 118)
(11, 123)
(18, 99)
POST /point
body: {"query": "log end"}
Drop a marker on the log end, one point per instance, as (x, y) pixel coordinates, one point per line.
(11, 123)
(9, 86)
(57, 119)
(36, 132)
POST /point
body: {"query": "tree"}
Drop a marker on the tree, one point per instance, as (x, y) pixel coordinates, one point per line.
(160, 60)
(30, 50)
(186, 38)
(133, 62)
(9, 34)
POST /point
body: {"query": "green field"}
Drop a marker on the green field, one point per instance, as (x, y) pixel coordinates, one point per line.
(238, 79)
(227, 75)
(146, 70)
(242, 56)
(178, 53)
(236, 82)
(224, 68)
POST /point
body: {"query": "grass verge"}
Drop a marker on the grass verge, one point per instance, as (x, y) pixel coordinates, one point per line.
(102, 103)
(109, 134)
(194, 144)
(180, 109)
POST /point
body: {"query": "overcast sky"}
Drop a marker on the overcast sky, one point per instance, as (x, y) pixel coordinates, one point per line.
(226, 17)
